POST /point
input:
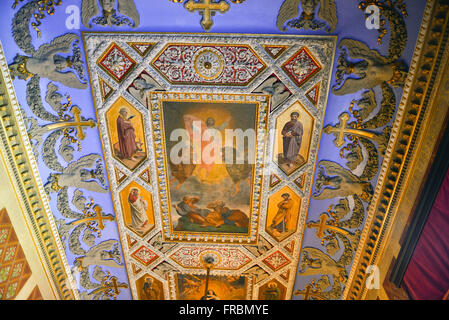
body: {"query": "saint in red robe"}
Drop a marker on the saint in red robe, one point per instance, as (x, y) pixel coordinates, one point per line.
(126, 138)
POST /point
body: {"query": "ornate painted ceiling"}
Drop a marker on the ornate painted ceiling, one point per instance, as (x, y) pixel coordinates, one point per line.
(86, 71)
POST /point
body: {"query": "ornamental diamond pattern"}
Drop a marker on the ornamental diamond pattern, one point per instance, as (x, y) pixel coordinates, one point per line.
(301, 67)
(144, 255)
(14, 269)
(225, 258)
(211, 65)
(276, 261)
(116, 63)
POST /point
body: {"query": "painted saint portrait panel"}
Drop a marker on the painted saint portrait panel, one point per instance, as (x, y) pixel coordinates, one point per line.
(137, 208)
(198, 287)
(282, 213)
(272, 290)
(149, 288)
(210, 192)
(292, 141)
(126, 134)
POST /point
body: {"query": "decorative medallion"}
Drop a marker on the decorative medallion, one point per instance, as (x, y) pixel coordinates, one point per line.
(208, 63)
(301, 67)
(144, 255)
(274, 51)
(191, 64)
(314, 94)
(142, 48)
(225, 258)
(276, 260)
(116, 63)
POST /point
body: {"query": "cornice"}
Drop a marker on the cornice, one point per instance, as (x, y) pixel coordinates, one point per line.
(418, 97)
(24, 171)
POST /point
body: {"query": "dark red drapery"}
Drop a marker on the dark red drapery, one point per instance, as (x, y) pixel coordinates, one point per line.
(427, 275)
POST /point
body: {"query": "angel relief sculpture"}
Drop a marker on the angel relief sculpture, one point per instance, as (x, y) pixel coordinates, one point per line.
(290, 10)
(371, 69)
(47, 62)
(109, 17)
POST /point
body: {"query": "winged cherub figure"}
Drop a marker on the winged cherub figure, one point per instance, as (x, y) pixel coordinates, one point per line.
(109, 16)
(85, 173)
(371, 70)
(47, 62)
(290, 10)
(105, 253)
(335, 181)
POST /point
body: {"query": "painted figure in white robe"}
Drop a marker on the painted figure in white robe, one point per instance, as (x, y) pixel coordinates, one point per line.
(139, 207)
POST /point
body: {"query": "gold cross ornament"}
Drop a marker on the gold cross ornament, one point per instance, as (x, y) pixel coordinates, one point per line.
(341, 129)
(98, 217)
(77, 123)
(207, 9)
(323, 226)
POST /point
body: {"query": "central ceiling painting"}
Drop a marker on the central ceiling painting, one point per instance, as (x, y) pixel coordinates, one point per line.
(210, 144)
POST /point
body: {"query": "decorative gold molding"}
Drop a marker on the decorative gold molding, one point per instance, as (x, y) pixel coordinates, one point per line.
(23, 170)
(424, 77)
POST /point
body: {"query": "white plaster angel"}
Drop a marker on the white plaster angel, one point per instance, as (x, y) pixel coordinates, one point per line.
(290, 10)
(109, 17)
(47, 62)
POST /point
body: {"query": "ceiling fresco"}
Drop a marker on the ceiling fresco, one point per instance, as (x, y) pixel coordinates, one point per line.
(102, 86)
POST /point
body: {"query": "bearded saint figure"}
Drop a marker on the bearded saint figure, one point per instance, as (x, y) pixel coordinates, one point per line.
(139, 207)
(292, 139)
(126, 135)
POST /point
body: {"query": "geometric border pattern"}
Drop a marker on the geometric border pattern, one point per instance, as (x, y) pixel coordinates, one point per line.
(321, 47)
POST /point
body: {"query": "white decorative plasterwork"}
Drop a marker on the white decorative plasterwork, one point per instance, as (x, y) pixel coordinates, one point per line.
(210, 68)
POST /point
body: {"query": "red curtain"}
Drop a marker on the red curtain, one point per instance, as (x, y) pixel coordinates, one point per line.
(427, 276)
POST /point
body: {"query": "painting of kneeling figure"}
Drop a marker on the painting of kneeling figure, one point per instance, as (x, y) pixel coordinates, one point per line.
(209, 173)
